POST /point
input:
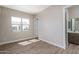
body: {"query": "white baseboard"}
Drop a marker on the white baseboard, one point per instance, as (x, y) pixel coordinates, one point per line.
(52, 43)
(16, 40)
(30, 38)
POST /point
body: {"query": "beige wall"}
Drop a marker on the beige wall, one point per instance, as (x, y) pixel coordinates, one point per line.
(0, 23)
(51, 27)
(73, 12)
(5, 25)
(35, 26)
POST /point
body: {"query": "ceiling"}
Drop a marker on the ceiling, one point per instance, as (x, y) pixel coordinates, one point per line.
(32, 9)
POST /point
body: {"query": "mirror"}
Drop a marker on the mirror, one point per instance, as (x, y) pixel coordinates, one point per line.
(73, 25)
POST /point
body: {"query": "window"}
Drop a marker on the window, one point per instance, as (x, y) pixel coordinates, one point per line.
(25, 24)
(20, 24)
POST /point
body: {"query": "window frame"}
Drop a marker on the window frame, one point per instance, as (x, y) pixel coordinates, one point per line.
(21, 24)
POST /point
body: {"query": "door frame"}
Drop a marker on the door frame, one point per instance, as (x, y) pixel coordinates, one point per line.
(65, 23)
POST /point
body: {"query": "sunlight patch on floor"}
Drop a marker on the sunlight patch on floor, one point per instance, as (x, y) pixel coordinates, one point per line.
(34, 40)
(28, 42)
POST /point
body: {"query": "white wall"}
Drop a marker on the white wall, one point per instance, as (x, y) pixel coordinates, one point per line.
(5, 25)
(51, 26)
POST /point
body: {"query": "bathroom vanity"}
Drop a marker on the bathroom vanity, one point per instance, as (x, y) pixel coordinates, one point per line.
(73, 31)
(73, 37)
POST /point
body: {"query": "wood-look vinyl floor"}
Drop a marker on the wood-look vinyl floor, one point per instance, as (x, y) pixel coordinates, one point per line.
(37, 48)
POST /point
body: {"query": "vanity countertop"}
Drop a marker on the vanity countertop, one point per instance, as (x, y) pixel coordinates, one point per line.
(73, 32)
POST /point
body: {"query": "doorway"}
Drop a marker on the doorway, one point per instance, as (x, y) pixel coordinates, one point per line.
(72, 25)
